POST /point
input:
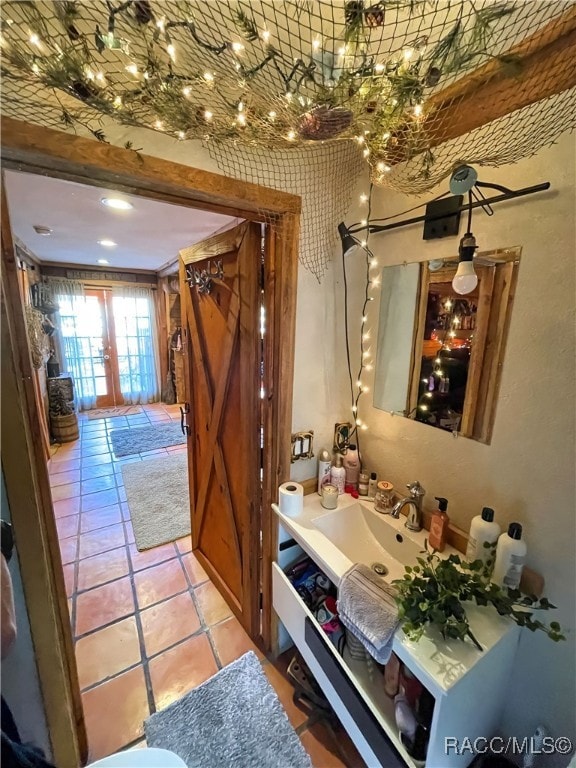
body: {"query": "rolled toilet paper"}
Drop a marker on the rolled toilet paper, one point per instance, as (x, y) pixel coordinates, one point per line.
(291, 498)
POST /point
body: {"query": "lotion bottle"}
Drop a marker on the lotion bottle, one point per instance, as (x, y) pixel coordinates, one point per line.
(338, 474)
(372, 486)
(510, 557)
(351, 463)
(324, 467)
(483, 529)
(439, 525)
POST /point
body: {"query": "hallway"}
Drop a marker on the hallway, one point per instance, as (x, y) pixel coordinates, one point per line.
(147, 626)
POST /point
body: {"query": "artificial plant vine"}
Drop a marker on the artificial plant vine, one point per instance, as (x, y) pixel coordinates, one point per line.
(435, 589)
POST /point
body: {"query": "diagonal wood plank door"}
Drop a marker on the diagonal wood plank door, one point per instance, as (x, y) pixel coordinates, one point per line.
(222, 347)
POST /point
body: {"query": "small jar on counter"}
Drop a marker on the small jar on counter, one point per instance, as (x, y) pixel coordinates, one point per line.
(384, 497)
(363, 480)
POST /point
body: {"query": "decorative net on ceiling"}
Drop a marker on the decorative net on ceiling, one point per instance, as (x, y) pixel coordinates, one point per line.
(290, 93)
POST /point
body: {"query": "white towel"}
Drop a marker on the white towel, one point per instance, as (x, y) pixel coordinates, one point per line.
(367, 608)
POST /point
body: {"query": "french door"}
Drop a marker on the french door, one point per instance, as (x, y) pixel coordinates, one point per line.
(108, 343)
(88, 339)
(102, 344)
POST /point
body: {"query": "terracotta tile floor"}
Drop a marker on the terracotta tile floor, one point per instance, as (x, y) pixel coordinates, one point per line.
(147, 626)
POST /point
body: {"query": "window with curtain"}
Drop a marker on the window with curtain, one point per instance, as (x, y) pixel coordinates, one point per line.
(136, 344)
(79, 340)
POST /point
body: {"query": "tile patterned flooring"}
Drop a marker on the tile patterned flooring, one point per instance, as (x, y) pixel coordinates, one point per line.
(147, 626)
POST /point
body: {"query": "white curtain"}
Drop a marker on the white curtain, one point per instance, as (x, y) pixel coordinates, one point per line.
(137, 344)
(74, 340)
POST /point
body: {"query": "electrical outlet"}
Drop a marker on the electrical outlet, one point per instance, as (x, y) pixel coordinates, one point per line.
(342, 436)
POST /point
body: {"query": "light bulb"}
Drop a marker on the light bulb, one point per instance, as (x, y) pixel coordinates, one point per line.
(465, 280)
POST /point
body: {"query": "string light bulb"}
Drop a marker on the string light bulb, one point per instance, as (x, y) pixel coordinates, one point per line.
(132, 69)
(171, 51)
(34, 39)
(208, 115)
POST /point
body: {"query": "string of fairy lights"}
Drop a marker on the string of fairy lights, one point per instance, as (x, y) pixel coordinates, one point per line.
(371, 287)
(233, 75)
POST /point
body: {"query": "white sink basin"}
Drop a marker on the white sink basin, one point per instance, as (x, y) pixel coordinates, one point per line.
(365, 536)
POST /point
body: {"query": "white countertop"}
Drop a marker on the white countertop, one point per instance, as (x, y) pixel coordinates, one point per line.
(439, 663)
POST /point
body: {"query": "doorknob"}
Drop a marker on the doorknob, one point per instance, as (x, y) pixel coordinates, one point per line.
(184, 411)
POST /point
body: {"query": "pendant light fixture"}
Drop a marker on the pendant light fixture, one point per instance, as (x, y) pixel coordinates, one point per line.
(465, 280)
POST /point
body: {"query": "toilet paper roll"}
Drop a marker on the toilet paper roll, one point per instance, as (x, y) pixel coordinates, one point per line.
(291, 498)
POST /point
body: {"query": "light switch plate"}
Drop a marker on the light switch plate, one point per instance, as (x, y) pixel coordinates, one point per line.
(302, 445)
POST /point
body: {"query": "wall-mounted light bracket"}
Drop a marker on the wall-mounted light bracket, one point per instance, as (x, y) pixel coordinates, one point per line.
(203, 279)
(450, 209)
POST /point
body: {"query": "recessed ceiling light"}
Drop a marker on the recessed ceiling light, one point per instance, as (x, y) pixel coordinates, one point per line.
(41, 230)
(116, 202)
(107, 243)
(103, 261)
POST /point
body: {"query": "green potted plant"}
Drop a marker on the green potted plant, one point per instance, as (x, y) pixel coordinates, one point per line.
(436, 590)
(63, 419)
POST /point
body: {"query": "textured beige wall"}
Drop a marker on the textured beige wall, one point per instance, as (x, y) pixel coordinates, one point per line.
(528, 472)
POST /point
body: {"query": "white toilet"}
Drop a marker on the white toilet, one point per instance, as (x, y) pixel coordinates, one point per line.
(149, 757)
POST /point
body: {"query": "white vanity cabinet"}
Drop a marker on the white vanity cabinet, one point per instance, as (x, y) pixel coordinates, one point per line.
(468, 686)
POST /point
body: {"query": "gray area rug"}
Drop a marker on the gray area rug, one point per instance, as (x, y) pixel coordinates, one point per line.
(158, 499)
(110, 413)
(139, 439)
(233, 719)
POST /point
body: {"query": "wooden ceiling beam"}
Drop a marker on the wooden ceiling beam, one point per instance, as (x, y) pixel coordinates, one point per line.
(548, 66)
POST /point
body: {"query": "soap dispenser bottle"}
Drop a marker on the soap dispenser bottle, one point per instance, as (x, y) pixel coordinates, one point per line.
(439, 525)
(338, 474)
(510, 557)
(483, 530)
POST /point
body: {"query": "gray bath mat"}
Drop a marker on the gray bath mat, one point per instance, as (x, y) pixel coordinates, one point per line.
(158, 499)
(233, 719)
(139, 439)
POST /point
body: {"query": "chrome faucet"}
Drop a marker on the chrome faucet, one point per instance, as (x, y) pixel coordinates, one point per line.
(414, 519)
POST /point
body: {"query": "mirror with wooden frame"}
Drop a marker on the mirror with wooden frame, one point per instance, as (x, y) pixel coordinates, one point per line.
(440, 354)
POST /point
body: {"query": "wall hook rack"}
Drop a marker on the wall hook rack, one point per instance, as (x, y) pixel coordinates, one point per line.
(203, 279)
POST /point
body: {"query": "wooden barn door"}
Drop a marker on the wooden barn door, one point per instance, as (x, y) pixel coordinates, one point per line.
(221, 298)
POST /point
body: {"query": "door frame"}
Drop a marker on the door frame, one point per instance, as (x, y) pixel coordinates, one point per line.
(35, 149)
